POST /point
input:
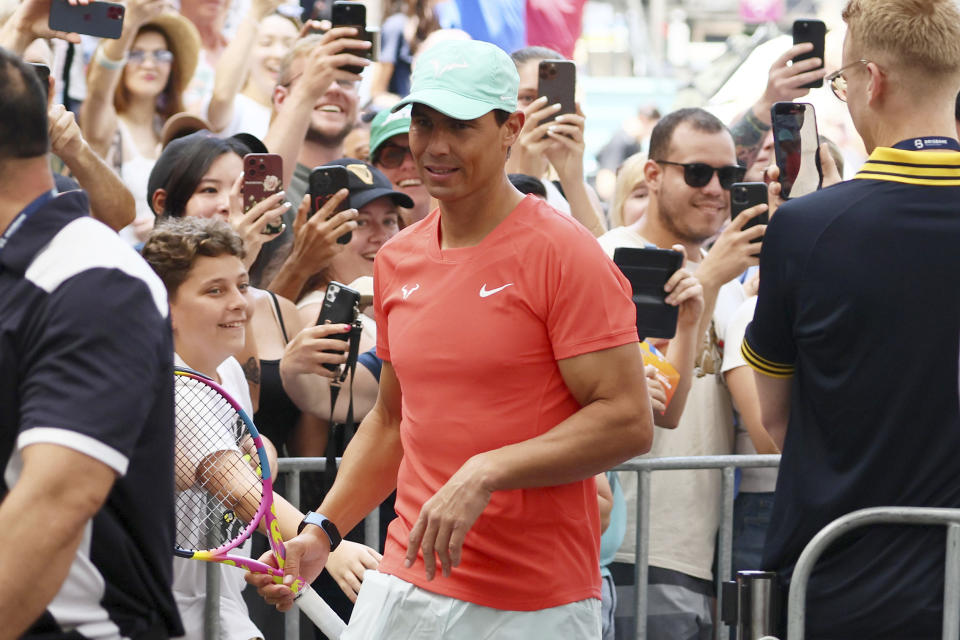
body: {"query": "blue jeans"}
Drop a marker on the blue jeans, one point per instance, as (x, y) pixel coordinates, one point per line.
(751, 517)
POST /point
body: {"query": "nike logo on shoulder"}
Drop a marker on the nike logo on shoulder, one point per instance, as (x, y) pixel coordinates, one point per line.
(484, 292)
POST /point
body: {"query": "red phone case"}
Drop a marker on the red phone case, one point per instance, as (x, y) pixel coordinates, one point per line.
(262, 177)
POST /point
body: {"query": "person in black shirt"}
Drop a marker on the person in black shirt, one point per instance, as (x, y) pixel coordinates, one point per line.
(86, 405)
(857, 330)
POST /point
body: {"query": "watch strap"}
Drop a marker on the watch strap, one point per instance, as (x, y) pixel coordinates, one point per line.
(324, 523)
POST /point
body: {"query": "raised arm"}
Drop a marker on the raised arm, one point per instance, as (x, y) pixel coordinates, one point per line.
(29, 22)
(295, 101)
(234, 65)
(98, 120)
(110, 200)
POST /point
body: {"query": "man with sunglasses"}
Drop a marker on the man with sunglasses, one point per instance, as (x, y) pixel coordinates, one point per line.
(857, 329)
(390, 152)
(692, 165)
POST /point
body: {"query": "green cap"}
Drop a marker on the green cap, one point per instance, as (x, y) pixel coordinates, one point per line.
(386, 125)
(464, 80)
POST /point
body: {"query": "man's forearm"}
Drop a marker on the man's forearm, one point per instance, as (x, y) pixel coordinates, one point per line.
(110, 200)
(43, 518)
(367, 473)
(288, 131)
(290, 279)
(582, 206)
(748, 134)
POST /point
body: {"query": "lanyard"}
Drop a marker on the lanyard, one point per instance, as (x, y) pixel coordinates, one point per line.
(23, 215)
(931, 143)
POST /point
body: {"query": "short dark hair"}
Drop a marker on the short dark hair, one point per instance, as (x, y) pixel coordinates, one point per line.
(23, 110)
(182, 165)
(501, 116)
(662, 135)
(527, 184)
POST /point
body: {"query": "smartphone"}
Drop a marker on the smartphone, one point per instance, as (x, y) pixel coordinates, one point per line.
(341, 305)
(324, 182)
(744, 195)
(795, 147)
(353, 14)
(648, 270)
(558, 81)
(814, 31)
(100, 19)
(43, 72)
(262, 177)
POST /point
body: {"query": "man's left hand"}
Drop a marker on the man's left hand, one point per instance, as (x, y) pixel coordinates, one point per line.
(446, 518)
(66, 141)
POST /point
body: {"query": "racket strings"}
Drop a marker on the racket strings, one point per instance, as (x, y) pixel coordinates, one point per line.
(219, 489)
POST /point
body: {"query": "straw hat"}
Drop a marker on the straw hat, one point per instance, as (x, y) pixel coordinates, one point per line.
(184, 42)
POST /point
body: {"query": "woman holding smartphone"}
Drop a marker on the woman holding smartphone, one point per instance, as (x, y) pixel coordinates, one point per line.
(134, 84)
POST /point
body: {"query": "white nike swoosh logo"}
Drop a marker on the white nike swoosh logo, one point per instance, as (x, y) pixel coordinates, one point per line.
(484, 293)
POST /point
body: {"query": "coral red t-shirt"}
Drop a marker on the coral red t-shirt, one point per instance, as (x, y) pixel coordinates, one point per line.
(474, 335)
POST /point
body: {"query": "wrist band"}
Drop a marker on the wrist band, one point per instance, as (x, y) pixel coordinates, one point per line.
(109, 63)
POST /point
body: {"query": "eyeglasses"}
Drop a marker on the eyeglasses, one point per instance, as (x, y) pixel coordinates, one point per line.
(392, 156)
(344, 84)
(699, 174)
(838, 83)
(138, 56)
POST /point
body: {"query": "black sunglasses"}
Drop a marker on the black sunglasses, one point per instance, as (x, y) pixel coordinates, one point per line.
(391, 155)
(699, 174)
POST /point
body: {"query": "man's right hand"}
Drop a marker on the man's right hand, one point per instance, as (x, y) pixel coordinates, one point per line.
(733, 251)
(324, 62)
(786, 79)
(306, 555)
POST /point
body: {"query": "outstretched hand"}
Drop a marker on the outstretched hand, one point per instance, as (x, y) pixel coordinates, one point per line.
(250, 224)
(306, 555)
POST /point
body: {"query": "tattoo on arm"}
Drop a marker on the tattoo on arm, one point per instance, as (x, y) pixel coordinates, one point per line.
(251, 370)
(748, 134)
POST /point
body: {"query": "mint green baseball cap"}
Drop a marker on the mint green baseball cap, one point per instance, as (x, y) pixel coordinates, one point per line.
(386, 125)
(464, 79)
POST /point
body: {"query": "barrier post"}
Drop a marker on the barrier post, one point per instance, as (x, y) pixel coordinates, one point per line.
(724, 548)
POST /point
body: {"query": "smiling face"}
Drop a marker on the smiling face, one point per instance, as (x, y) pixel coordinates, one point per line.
(693, 215)
(149, 77)
(275, 37)
(406, 177)
(212, 195)
(209, 311)
(460, 158)
(377, 222)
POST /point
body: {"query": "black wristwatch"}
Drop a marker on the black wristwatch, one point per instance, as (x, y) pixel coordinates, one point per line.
(324, 523)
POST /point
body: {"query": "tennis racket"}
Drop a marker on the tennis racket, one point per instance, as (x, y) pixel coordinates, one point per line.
(225, 489)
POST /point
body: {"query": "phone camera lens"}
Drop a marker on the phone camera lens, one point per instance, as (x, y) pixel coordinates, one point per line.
(251, 173)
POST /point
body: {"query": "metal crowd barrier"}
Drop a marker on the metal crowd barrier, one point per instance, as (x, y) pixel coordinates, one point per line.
(950, 518)
(644, 467)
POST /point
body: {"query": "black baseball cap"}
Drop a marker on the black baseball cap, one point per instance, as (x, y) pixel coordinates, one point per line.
(366, 183)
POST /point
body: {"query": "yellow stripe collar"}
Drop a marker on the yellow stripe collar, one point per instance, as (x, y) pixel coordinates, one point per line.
(933, 168)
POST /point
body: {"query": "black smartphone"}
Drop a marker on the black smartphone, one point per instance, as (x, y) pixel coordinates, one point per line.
(558, 81)
(648, 271)
(814, 31)
(43, 72)
(100, 19)
(324, 182)
(353, 14)
(743, 196)
(795, 147)
(341, 305)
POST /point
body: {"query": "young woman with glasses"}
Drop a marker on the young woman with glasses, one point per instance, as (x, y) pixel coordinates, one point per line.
(134, 85)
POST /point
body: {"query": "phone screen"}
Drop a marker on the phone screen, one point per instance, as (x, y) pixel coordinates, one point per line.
(795, 145)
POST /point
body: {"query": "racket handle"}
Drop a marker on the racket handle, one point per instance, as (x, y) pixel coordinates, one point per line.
(320, 613)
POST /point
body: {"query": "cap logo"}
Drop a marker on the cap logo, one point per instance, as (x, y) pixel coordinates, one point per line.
(439, 71)
(362, 172)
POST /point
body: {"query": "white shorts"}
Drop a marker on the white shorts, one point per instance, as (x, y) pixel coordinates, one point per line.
(389, 607)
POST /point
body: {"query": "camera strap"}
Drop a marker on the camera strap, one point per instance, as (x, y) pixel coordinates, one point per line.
(340, 434)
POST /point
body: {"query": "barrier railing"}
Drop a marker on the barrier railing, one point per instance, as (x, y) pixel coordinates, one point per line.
(924, 516)
(644, 467)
